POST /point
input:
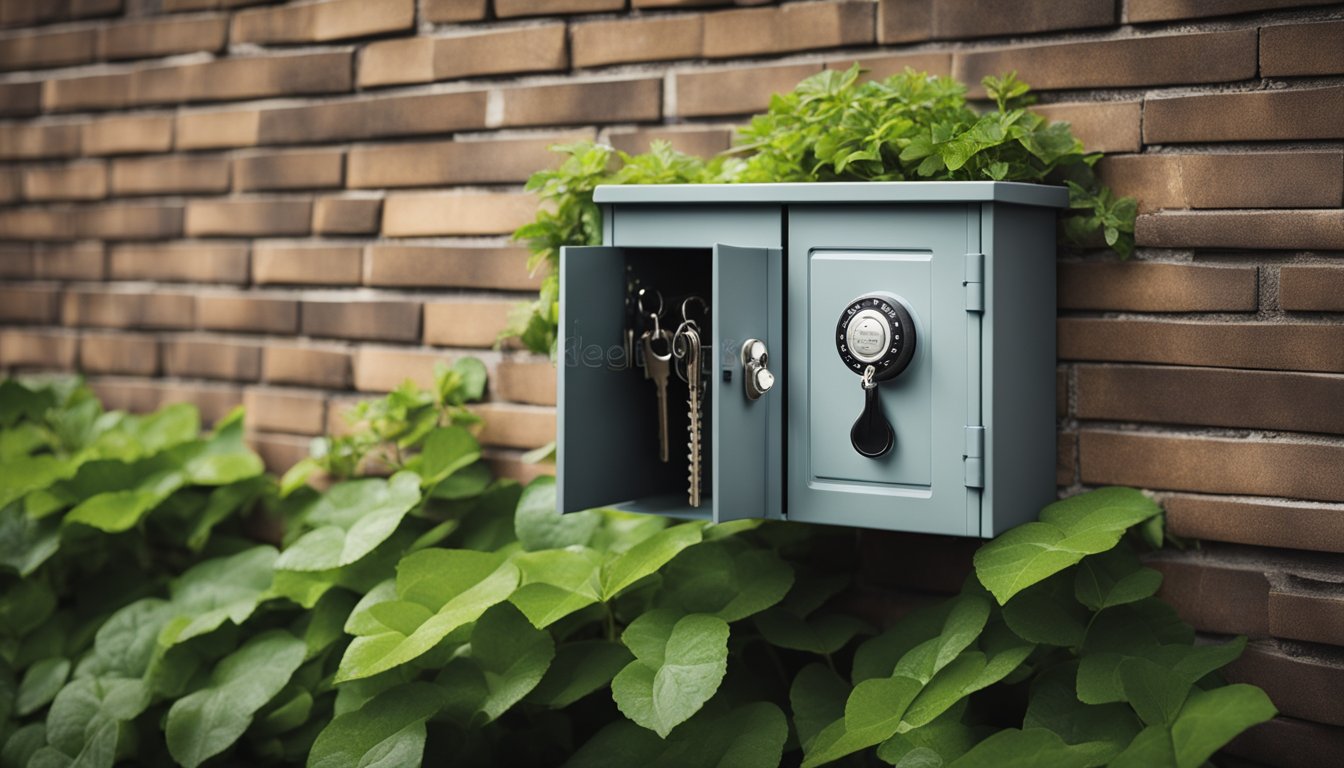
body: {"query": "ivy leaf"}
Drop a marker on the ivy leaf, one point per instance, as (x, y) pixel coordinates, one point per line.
(952, 683)
(579, 668)
(1054, 704)
(1207, 721)
(930, 746)
(447, 450)
(817, 697)
(388, 730)
(23, 744)
(873, 713)
(1029, 748)
(679, 663)
(19, 477)
(877, 657)
(646, 557)
(41, 682)
(1114, 578)
(556, 583)
(26, 543)
(726, 581)
(117, 511)
(350, 520)
(86, 719)
(539, 524)
(821, 635)
(220, 590)
(512, 654)
(1154, 693)
(1047, 613)
(964, 623)
(1068, 531)
(207, 722)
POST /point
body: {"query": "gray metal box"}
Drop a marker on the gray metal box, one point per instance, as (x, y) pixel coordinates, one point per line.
(973, 264)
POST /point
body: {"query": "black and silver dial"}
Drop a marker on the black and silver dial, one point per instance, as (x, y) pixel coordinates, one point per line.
(876, 330)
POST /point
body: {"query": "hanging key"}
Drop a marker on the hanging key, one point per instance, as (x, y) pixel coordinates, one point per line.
(686, 346)
(657, 347)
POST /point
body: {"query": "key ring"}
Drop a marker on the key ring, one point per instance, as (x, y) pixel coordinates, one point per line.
(685, 308)
(639, 302)
(867, 383)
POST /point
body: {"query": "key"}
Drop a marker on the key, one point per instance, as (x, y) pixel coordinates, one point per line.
(690, 347)
(658, 366)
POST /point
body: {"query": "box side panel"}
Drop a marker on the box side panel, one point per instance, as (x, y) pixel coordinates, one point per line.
(696, 226)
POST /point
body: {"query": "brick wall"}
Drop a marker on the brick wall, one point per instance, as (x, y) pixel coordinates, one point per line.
(289, 204)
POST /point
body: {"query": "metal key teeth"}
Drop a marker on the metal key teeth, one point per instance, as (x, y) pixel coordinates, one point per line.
(693, 454)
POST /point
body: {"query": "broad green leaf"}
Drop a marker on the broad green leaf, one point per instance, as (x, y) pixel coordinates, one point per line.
(387, 732)
(952, 683)
(350, 520)
(579, 668)
(877, 657)
(468, 482)
(19, 401)
(646, 557)
(873, 713)
(446, 450)
(1152, 690)
(556, 582)
(26, 543)
(539, 524)
(22, 744)
(291, 709)
(25, 605)
(224, 501)
(933, 745)
(296, 477)
(965, 621)
(86, 718)
(1054, 704)
(41, 682)
(726, 581)
(19, 477)
(220, 590)
(1114, 578)
(125, 644)
(670, 681)
(817, 697)
(117, 511)
(1207, 721)
(1047, 613)
(207, 722)
(324, 624)
(750, 736)
(513, 655)
(1030, 748)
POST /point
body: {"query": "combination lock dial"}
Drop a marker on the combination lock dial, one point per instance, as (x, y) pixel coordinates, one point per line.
(876, 330)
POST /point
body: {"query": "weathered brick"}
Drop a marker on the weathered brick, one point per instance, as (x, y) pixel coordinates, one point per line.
(515, 426)
(1212, 397)
(1285, 524)
(1299, 113)
(1302, 49)
(1206, 57)
(1151, 287)
(648, 38)
(500, 52)
(40, 350)
(28, 304)
(1138, 11)
(248, 313)
(1275, 346)
(36, 50)
(524, 381)
(248, 218)
(179, 262)
(1283, 229)
(509, 465)
(507, 8)
(306, 364)
(202, 5)
(70, 261)
(315, 22)
(465, 323)
(379, 369)
(1311, 288)
(151, 37)
(17, 261)
(395, 62)
(278, 452)
(432, 113)
(130, 221)
(703, 142)
(606, 101)
(426, 266)
(20, 99)
(24, 13)
(130, 134)
(11, 185)
(128, 309)
(36, 140)
(1304, 611)
(449, 11)
(124, 353)
(738, 91)
(38, 224)
(1225, 180)
(1290, 743)
(75, 181)
(128, 395)
(285, 410)
(1286, 468)
(886, 65)
(214, 401)
(370, 320)
(444, 163)
(212, 359)
(308, 264)
(420, 214)
(1215, 596)
(1300, 686)
(218, 129)
(913, 20)
(1102, 126)
(299, 169)
(347, 215)
(171, 173)
(791, 27)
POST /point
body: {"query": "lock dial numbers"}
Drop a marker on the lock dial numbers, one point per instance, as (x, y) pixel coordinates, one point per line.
(876, 330)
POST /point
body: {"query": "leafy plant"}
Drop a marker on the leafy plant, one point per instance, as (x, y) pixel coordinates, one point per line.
(834, 127)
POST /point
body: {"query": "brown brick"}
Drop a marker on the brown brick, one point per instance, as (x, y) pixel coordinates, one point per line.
(1290, 229)
(309, 264)
(1302, 49)
(285, 410)
(128, 395)
(210, 359)
(738, 91)
(524, 381)
(11, 185)
(70, 261)
(258, 314)
(218, 129)
(29, 304)
(1290, 743)
(1299, 113)
(1300, 686)
(608, 101)
(886, 65)
(1290, 525)
(1276, 346)
(20, 99)
(34, 140)
(1285, 468)
(1137, 11)
(1103, 126)
(500, 52)
(1212, 397)
(128, 309)
(36, 50)
(648, 38)
(347, 215)
(1311, 288)
(379, 369)
(911, 20)
(40, 350)
(515, 426)
(445, 163)
(1152, 287)
(370, 320)
(201, 5)
(509, 465)
(1298, 612)
(124, 353)
(23, 13)
(1209, 57)
(302, 169)
(420, 214)
(163, 37)
(38, 224)
(248, 218)
(702, 142)
(449, 11)
(394, 62)
(278, 452)
(316, 22)
(214, 401)
(311, 365)
(1066, 459)
(131, 221)
(124, 135)
(1062, 392)
(432, 113)
(792, 27)
(1224, 180)
(465, 323)
(17, 261)
(172, 173)
(179, 262)
(75, 181)
(1214, 596)
(506, 8)
(425, 266)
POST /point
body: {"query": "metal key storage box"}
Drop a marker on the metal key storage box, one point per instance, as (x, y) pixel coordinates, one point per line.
(954, 282)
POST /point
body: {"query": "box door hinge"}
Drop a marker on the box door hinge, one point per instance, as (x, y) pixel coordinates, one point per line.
(975, 282)
(975, 457)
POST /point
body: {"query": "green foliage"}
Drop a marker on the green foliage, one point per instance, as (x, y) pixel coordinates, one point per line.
(835, 126)
(438, 615)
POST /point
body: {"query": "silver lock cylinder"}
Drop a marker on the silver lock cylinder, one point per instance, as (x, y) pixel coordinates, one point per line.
(867, 335)
(757, 378)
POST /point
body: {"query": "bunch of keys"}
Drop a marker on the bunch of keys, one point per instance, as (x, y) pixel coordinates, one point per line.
(689, 351)
(656, 356)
